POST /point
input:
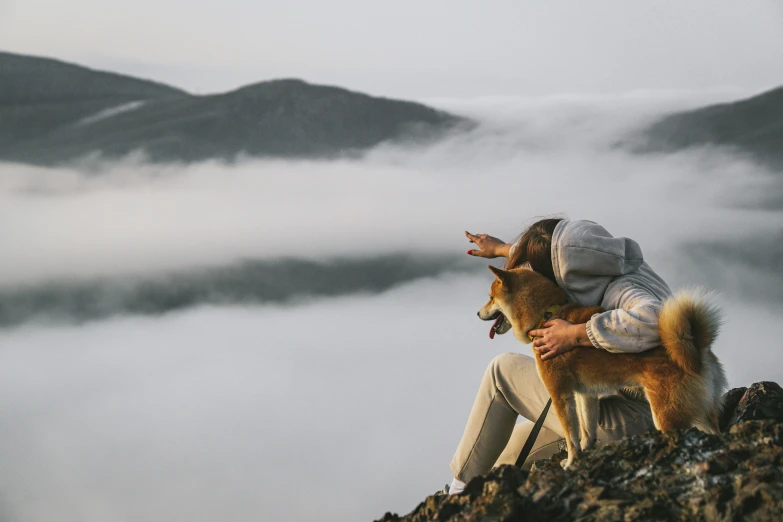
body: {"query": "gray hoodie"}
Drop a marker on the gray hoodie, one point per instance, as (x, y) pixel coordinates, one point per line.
(595, 268)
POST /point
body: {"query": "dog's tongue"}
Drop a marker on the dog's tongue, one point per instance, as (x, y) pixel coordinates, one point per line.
(495, 326)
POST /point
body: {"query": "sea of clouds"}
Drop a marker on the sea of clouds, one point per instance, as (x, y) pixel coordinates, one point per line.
(332, 378)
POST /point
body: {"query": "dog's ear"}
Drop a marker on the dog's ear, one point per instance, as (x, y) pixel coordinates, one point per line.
(500, 274)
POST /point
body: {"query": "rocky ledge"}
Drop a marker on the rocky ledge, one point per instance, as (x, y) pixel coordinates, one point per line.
(679, 475)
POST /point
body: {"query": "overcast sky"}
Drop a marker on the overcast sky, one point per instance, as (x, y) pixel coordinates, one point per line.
(414, 48)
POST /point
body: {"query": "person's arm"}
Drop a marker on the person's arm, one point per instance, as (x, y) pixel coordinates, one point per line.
(632, 328)
(488, 246)
(558, 336)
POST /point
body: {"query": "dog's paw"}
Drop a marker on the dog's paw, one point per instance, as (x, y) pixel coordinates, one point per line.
(587, 443)
(566, 463)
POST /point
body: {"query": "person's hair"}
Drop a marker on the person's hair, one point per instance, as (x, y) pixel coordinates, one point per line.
(534, 247)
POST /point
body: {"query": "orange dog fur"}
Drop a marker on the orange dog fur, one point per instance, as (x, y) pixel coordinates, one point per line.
(682, 379)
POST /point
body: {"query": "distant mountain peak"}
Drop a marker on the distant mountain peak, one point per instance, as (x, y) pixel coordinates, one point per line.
(753, 126)
(53, 112)
(32, 79)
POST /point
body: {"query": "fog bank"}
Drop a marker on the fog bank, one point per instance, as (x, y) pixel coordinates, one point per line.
(284, 280)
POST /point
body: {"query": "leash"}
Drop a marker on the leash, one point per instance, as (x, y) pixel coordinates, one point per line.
(531, 439)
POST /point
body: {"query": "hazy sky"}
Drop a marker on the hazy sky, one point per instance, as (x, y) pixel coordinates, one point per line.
(414, 48)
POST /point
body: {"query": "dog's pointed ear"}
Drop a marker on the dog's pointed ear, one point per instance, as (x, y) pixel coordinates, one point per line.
(500, 274)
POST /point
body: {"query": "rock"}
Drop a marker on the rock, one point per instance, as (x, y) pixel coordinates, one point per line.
(539, 465)
(730, 402)
(677, 475)
(763, 400)
(491, 497)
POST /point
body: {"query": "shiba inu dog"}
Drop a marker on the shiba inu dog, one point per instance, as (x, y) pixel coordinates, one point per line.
(682, 379)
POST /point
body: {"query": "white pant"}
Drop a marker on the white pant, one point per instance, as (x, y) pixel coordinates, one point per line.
(510, 388)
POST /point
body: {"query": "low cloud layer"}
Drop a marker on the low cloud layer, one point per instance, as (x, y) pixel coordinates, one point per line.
(527, 159)
(354, 402)
(282, 281)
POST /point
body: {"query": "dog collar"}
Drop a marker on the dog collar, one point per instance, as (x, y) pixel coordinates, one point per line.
(550, 312)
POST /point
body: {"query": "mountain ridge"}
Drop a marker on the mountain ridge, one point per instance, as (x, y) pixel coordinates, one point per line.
(280, 118)
(15, 66)
(753, 126)
(54, 112)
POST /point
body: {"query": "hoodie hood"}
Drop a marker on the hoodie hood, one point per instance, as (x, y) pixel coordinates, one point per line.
(586, 258)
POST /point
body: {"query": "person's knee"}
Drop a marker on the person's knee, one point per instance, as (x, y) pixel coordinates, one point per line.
(501, 364)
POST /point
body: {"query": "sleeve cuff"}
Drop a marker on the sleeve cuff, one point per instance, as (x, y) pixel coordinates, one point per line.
(590, 334)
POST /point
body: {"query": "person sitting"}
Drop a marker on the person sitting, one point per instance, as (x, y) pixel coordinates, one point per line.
(594, 268)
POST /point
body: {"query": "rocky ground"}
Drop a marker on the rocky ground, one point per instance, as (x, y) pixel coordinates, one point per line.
(681, 475)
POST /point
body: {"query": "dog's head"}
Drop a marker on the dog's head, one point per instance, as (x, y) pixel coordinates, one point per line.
(517, 299)
(499, 302)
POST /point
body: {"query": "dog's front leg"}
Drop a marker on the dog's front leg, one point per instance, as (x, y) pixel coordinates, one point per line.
(588, 410)
(565, 407)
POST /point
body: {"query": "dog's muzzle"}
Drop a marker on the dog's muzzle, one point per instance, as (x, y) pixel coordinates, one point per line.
(500, 326)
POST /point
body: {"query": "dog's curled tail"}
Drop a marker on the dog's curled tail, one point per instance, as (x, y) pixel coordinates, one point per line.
(688, 323)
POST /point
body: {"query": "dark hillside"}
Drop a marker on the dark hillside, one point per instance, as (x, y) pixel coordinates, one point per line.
(39, 95)
(276, 118)
(48, 115)
(28, 79)
(753, 126)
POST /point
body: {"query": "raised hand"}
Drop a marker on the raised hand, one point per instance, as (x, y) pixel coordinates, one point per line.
(488, 246)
